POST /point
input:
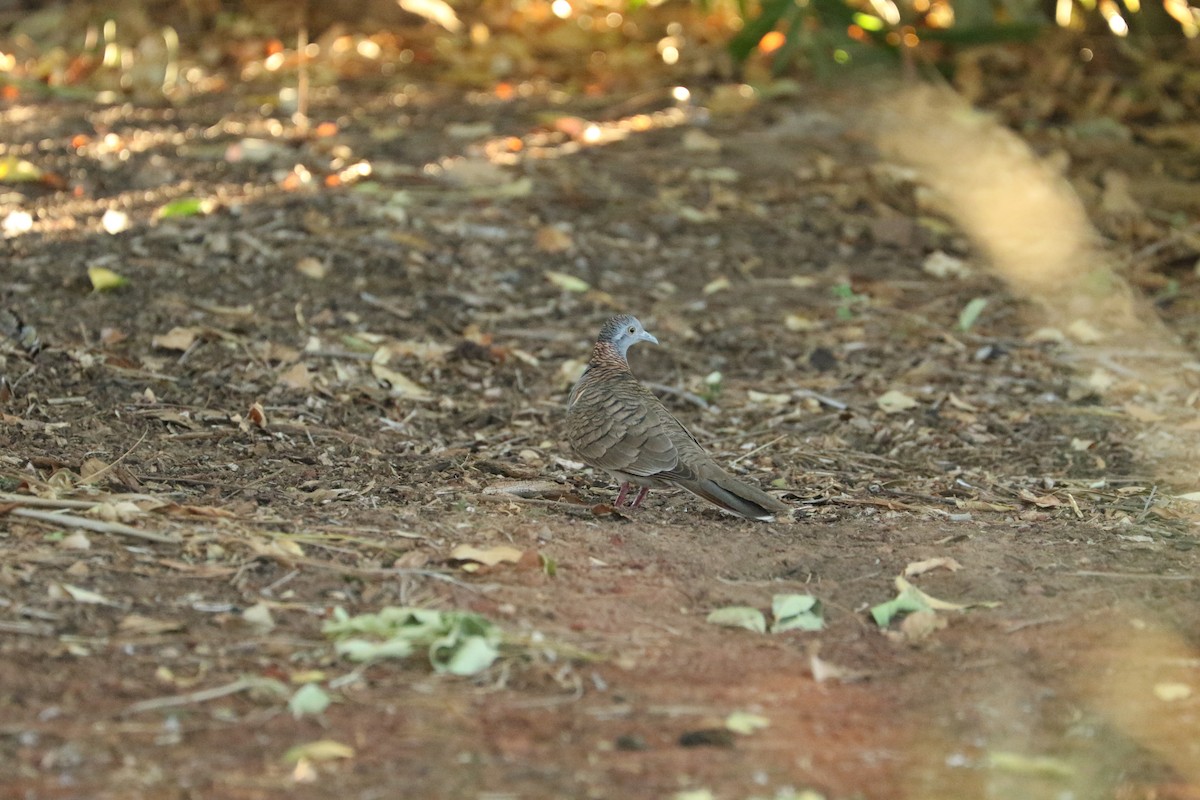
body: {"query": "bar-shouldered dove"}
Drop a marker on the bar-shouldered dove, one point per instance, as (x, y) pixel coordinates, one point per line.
(615, 424)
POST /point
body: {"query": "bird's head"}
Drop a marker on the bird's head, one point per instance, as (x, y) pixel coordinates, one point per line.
(622, 332)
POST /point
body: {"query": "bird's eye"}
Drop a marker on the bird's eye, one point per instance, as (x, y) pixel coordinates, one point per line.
(632, 329)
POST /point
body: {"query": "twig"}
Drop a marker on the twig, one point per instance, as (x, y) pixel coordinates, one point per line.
(822, 399)
(683, 394)
(98, 526)
(27, 628)
(1087, 573)
(45, 502)
(571, 508)
(202, 696)
(95, 475)
(1149, 500)
(755, 450)
(1030, 623)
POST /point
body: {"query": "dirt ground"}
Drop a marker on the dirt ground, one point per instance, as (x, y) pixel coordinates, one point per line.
(234, 389)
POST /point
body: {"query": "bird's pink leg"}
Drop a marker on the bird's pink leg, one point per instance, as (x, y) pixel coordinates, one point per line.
(640, 497)
(621, 494)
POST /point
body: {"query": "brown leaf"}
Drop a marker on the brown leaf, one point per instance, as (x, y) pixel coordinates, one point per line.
(551, 239)
(296, 377)
(180, 339)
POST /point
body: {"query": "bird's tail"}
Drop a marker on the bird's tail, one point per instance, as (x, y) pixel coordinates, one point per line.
(733, 495)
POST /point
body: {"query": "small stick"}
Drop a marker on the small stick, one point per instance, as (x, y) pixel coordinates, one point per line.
(202, 696)
(760, 447)
(683, 394)
(98, 526)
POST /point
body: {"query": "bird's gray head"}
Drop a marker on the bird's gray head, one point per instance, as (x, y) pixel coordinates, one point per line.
(622, 332)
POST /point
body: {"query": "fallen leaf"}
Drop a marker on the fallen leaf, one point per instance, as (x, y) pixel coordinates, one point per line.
(177, 338)
(894, 402)
(566, 282)
(910, 599)
(1041, 501)
(1143, 414)
(765, 397)
(258, 616)
(490, 557)
(398, 385)
(309, 700)
(921, 567)
(552, 239)
(81, 595)
(796, 612)
(921, 624)
(92, 466)
(321, 750)
(1084, 332)
(970, 313)
(739, 617)
(104, 279)
(148, 626)
(296, 376)
(796, 322)
(1170, 692)
(941, 265)
(745, 723)
(1030, 765)
(313, 268)
(697, 141)
(186, 207)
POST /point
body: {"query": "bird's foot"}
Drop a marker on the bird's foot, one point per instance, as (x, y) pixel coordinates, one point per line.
(640, 497)
(621, 494)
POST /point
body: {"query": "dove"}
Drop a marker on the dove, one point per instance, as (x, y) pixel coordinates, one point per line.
(615, 424)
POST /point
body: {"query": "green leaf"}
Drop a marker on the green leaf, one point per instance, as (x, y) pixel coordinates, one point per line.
(458, 643)
(359, 650)
(742, 45)
(739, 617)
(308, 700)
(469, 656)
(18, 170)
(970, 313)
(745, 723)
(186, 207)
(904, 603)
(1041, 766)
(796, 612)
(911, 599)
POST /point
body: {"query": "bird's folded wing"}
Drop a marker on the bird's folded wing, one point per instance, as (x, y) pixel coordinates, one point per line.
(620, 436)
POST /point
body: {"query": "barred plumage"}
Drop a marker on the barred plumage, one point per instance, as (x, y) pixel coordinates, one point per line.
(617, 425)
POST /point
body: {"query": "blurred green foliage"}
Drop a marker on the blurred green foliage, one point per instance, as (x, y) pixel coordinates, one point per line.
(824, 33)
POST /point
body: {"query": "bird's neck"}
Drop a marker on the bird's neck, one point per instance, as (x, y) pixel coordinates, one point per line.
(605, 356)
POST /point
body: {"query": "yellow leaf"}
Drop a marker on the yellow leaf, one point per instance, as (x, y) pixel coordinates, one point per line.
(567, 282)
(104, 279)
(320, 750)
(490, 557)
(399, 385)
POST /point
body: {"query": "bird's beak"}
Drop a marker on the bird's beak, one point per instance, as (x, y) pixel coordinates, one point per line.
(648, 337)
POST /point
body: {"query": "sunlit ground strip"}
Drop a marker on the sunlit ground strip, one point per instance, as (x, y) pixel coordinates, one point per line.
(1037, 238)
(578, 135)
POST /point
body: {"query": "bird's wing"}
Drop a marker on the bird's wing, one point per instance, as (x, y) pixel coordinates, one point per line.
(616, 424)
